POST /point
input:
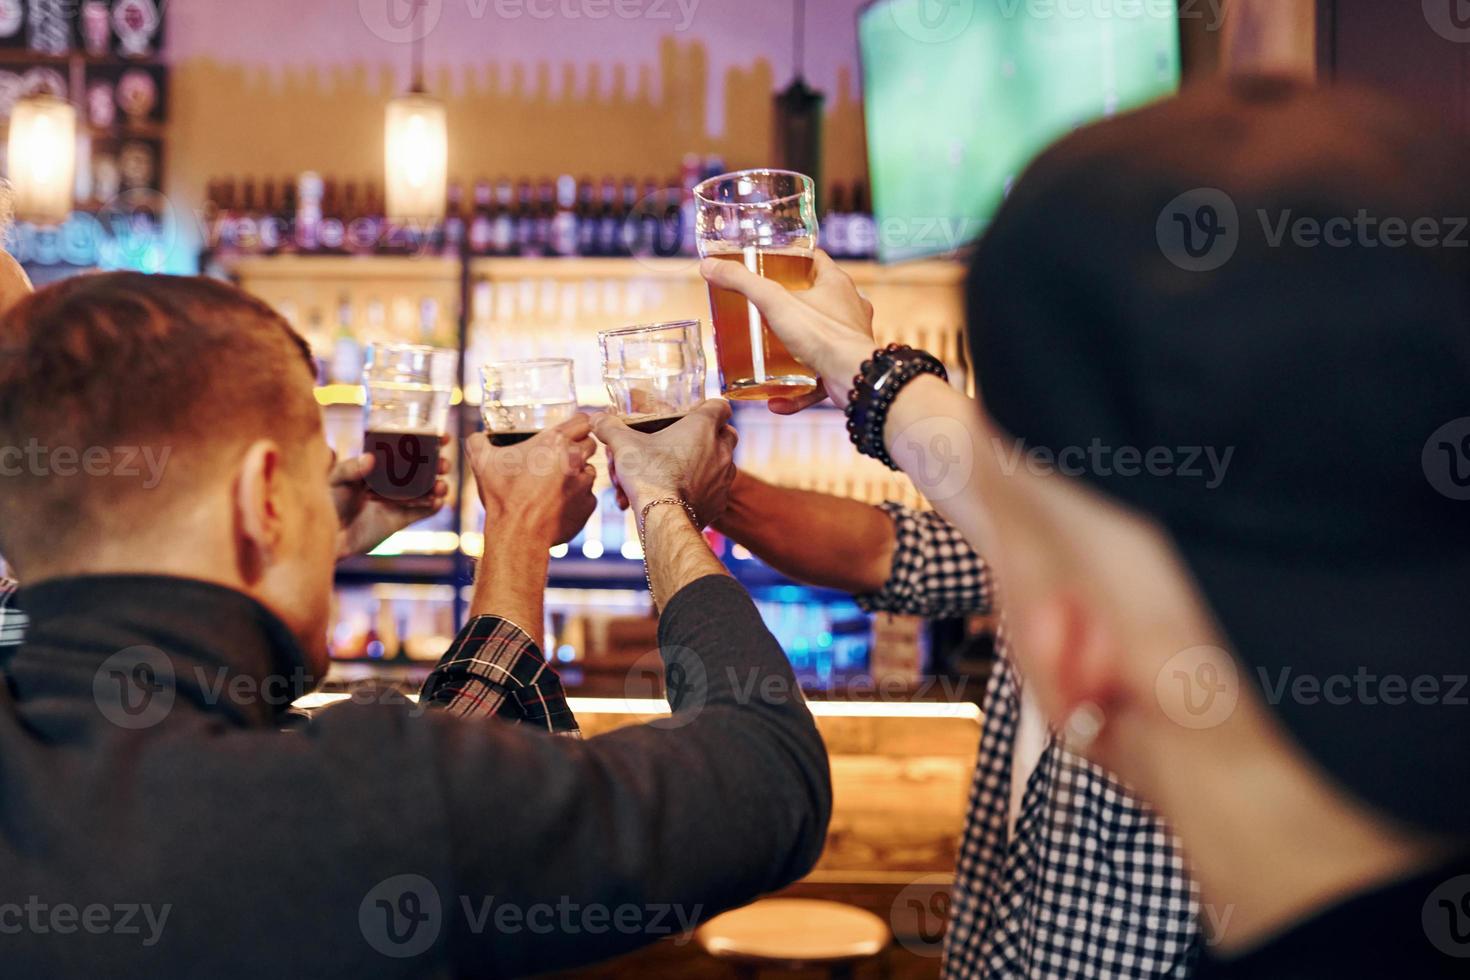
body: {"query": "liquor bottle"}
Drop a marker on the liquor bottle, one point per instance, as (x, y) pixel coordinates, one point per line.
(586, 218)
(563, 234)
(628, 241)
(429, 321)
(545, 215)
(653, 221)
(368, 225)
(286, 215)
(834, 223)
(482, 225)
(609, 227)
(308, 211)
(454, 223)
(247, 228)
(222, 234)
(346, 349)
(333, 231)
(271, 229)
(862, 228)
(502, 219)
(525, 219)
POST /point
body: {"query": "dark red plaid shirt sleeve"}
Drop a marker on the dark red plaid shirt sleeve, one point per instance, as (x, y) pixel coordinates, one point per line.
(494, 668)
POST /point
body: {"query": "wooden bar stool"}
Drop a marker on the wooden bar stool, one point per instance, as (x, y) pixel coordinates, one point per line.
(795, 934)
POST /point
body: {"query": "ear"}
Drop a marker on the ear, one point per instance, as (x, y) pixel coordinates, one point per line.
(259, 488)
(1069, 654)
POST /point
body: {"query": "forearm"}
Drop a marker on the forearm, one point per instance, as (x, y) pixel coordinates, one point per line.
(727, 800)
(511, 580)
(940, 440)
(827, 541)
(676, 552)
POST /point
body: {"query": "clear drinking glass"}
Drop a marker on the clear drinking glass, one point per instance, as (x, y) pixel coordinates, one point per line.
(524, 397)
(767, 221)
(654, 372)
(405, 414)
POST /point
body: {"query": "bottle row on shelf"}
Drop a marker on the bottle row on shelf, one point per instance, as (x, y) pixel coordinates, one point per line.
(525, 217)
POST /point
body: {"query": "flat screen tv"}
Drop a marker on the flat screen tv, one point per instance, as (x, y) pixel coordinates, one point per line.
(960, 95)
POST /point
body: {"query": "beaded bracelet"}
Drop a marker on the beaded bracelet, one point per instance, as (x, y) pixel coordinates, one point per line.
(874, 390)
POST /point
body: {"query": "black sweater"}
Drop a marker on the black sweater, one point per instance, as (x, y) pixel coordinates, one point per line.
(144, 839)
(1414, 929)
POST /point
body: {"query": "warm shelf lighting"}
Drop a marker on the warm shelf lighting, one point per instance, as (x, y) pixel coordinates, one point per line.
(417, 158)
(43, 158)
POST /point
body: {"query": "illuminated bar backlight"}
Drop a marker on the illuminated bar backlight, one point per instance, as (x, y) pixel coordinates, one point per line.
(966, 711)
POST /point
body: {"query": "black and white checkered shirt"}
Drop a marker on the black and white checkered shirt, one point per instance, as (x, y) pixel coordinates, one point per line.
(493, 668)
(1091, 884)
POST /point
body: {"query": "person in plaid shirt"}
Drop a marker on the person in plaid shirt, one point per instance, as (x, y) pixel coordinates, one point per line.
(172, 624)
(1238, 640)
(495, 669)
(1047, 831)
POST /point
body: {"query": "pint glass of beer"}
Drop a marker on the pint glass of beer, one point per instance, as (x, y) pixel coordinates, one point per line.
(523, 397)
(654, 373)
(407, 408)
(767, 221)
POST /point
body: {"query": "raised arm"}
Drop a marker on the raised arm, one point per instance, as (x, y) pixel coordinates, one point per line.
(601, 846)
(827, 541)
(936, 434)
(535, 495)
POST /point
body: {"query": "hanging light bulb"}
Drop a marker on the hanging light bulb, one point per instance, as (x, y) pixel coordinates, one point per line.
(416, 149)
(417, 158)
(43, 158)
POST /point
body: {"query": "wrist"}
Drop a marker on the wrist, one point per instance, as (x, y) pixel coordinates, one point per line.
(845, 359)
(729, 519)
(510, 529)
(640, 494)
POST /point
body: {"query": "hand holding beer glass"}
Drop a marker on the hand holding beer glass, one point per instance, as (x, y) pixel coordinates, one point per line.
(405, 417)
(766, 221)
(521, 398)
(655, 373)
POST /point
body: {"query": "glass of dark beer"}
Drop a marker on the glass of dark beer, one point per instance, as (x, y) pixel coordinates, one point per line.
(407, 407)
(523, 397)
(654, 373)
(767, 221)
